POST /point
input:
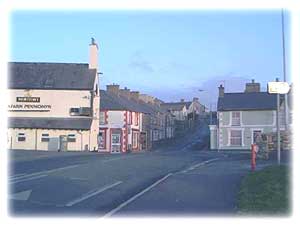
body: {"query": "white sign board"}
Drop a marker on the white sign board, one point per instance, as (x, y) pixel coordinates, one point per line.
(278, 87)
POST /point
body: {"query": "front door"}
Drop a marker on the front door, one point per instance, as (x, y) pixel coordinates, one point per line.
(116, 142)
(256, 136)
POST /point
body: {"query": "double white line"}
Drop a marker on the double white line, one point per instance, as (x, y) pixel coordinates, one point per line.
(26, 177)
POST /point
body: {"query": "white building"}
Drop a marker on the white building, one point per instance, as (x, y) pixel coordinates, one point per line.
(54, 106)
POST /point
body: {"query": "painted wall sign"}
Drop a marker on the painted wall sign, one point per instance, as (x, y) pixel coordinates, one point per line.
(29, 107)
(28, 99)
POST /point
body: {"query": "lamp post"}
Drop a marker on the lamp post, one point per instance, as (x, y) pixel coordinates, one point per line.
(284, 70)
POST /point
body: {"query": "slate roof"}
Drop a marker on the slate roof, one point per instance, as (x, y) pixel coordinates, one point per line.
(63, 76)
(175, 106)
(247, 101)
(50, 123)
(110, 101)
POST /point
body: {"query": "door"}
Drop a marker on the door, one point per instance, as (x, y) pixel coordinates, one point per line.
(256, 136)
(63, 143)
(116, 141)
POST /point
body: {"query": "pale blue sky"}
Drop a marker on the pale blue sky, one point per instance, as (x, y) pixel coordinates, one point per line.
(168, 54)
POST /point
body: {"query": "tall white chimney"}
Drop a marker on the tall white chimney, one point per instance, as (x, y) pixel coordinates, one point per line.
(93, 63)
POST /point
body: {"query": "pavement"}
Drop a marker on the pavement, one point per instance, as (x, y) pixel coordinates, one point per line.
(180, 179)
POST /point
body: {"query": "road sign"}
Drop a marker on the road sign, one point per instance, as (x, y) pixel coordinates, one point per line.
(278, 87)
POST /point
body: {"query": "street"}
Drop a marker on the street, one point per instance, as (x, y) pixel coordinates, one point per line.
(178, 179)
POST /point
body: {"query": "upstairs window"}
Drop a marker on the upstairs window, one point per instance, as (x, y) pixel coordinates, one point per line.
(21, 137)
(136, 119)
(236, 118)
(45, 138)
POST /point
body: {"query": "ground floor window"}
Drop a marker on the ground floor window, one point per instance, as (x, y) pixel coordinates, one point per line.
(45, 138)
(236, 137)
(21, 137)
(71, 138)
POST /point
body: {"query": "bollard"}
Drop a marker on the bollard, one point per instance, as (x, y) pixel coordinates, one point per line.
(253, 156)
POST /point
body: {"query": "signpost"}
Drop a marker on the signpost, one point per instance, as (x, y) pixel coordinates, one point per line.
(278, 88)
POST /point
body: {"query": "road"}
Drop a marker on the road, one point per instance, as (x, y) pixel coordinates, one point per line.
(178, 178)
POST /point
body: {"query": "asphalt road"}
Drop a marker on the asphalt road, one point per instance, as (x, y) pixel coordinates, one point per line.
(178, 179)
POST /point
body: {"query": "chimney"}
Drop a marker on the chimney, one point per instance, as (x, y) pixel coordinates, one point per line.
(125, 92)
(195, 99)
(113, 89)
(252, 87)
(221, 91)
(135, 95)
(182, 100)
(93, 63)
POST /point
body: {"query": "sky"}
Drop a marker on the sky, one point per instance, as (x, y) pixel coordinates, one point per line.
(166, 54)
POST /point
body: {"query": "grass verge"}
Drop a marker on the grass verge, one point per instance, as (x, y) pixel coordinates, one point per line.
(265, 192)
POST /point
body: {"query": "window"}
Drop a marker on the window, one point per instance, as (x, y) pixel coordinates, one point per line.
(236, 137)
(135, 140)
(102, 118)
(80, 111)
(74, 111)
(136, 119)
(45, 138)
(21, 137)
(71, 138)
(235, 118)
(129, 117)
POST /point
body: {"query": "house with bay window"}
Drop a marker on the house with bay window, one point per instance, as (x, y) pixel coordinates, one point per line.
(121, 122)
(242, 116)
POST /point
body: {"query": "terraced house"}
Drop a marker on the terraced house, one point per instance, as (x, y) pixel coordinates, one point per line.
(121, 121)
(242, 116)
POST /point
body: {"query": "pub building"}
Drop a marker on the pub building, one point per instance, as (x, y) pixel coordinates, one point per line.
(54, 106)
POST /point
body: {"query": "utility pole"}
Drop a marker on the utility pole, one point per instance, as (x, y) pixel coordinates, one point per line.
(286, 119)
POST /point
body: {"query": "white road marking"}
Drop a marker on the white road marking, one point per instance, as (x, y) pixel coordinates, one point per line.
(110, 213)
(27, 179)
(90, 194)
(21, 196)
(45, 172)
(113, 159)
(197, 165)
(16, 175)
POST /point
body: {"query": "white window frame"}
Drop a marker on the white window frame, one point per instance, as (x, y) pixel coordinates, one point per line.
(21, 135)
(45, 136)
(242, 138)
(231, 118)
(71, 137)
